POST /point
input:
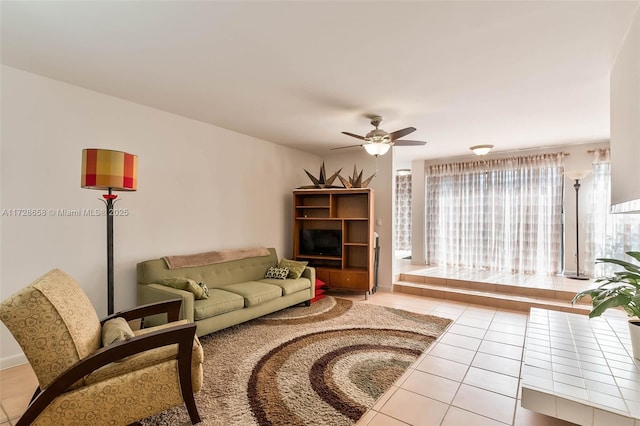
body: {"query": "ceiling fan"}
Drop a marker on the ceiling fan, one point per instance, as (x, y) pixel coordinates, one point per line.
(379, 141)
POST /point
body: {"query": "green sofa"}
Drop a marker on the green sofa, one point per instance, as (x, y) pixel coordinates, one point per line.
(238, 290)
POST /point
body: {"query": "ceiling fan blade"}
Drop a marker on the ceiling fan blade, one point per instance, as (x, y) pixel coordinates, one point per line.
(406, 142)
(401, 133)
(343, 147)
(353, 135)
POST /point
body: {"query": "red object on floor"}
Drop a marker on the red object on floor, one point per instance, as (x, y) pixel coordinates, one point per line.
(319, 290)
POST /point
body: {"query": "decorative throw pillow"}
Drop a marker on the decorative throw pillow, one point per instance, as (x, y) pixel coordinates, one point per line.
(295, 268)
(116, 330)
(187, 284)
(278, 273)
(204, 288)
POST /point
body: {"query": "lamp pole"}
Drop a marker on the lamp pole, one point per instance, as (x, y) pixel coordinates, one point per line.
(577, 276)
(114, 171)
(109, 200)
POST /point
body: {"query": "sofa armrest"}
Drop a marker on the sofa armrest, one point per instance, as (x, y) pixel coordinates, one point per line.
(310, 272)
(169, 307)
(152, 293)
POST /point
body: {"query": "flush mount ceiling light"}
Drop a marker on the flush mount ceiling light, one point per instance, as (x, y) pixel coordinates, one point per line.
(481, 149)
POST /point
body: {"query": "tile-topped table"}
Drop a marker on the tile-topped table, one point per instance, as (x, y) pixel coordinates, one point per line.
(580, 369)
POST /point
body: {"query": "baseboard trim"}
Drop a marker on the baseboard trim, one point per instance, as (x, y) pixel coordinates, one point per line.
(12, 361)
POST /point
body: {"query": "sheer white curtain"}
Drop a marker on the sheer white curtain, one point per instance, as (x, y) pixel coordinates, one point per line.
(608, 235)
(403, 212)
(503, 214)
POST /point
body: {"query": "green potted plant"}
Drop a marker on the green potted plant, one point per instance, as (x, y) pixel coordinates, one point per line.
(620, 290)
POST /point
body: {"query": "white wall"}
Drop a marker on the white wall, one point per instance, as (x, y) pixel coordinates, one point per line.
(578, 159)
(200, 188)
(418, 230)
(383, 188)
(625, 121)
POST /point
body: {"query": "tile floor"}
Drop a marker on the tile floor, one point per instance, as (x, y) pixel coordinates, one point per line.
(470, 376)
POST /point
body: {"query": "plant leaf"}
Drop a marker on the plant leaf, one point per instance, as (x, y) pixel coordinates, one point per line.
(626, 265)
(612, 302)
(634, 254)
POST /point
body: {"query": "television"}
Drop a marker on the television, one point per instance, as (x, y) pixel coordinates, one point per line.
(321, 242)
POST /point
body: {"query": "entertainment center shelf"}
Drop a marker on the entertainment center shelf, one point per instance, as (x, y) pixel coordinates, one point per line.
(333, 231)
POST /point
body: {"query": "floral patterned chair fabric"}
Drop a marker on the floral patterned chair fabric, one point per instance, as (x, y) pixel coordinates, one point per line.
(81, 382)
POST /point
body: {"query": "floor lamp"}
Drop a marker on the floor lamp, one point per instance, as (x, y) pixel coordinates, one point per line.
(577, 175)
(109, 170)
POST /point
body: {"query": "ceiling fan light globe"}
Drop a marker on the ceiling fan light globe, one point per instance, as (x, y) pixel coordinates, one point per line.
(376, 148)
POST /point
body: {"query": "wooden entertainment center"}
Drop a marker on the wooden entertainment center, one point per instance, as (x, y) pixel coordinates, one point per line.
(333, 231)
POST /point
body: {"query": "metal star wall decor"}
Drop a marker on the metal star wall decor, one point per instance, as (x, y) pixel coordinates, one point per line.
(356, 181)
(321, 181)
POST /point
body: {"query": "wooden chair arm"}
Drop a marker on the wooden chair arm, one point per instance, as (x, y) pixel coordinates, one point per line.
(170, 307)
(183, 335)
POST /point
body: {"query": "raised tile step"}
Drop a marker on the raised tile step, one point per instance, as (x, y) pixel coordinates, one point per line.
(518, 290)
(493, 298)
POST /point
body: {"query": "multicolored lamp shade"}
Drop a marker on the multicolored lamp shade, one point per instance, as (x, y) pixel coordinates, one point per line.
(108, 169)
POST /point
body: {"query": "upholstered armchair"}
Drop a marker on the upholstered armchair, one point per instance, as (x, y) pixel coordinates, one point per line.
(83, 382)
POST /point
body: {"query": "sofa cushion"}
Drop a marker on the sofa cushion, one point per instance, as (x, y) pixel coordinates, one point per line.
(255, 292)
(219, 302)
(116, 330)
(199, 289)
(289, 286)
(277, 273)
(296, 267)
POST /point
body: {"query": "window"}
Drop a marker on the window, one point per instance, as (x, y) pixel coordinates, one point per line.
(608, 235)
(403, 212)
(503, 214)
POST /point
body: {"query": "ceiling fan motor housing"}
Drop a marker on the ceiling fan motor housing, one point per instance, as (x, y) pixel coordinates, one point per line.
(378, 136)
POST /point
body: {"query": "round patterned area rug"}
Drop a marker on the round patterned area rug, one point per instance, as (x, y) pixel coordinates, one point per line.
(320, 365)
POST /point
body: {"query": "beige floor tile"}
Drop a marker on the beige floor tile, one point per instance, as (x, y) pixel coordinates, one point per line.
(509, 339)
(414, 409)
(443, 368)
(445, 314)
(15, 405)
(481, 311)
(17, 380)
(485, 403)
(384, 398)
(471, 321)
(510, 367)
(465, 330)
(459, 341)
(368, 416)
(501, 349)
(383, 420)
(502, 327)
(511, 317)
(459, 417)
(492, 381)
(429, 385)
(452, 353)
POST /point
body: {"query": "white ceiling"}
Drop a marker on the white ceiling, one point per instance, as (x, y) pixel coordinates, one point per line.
(512, 74)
